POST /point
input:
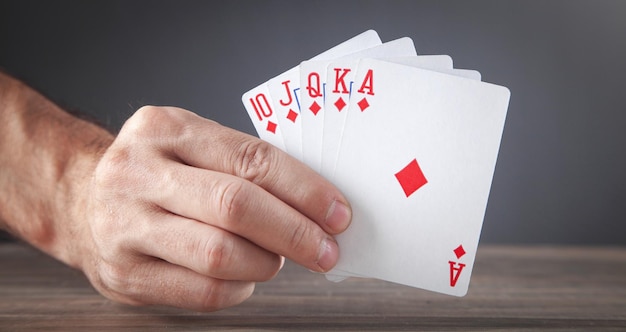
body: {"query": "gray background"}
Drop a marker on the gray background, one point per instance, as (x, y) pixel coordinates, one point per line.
(560, 176)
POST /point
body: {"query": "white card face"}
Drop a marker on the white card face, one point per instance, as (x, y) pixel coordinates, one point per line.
(313, 83)
(465, 73)
(284, 90)
(334, 119)
(260, 106)
(341, 73)
(340, 77)
(416, 161)
(432, 61)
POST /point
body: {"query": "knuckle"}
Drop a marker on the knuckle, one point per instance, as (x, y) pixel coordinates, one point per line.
(154, 122)
(298, 236)
(148, 111)
(231, 201)
(218, 295)
(255, 160)
(218, 253)
(143, 119)
(211, 295)
(112, 167)
(117, 280)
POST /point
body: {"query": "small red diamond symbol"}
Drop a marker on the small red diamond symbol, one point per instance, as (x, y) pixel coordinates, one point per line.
(459, 251)
(271, 127)
(411, 178)
(363, 104)
(292, 115)
(340, 104)
(315, 107)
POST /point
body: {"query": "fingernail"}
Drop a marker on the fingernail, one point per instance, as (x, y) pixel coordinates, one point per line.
(338, 216)
(328, 254)
(282, 262)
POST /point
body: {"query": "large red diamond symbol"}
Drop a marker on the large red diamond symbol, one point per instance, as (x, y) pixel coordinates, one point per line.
(271, 127)
(340, 104)
(411, 178)
(292, 115)
(315, 107)
(363, 104)
(459, 251)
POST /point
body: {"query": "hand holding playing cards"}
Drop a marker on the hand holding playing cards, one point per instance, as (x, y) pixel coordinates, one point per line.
(175, 210)
(188, 213)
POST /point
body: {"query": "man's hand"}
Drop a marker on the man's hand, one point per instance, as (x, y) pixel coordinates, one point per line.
(189, 213)
(176, 210)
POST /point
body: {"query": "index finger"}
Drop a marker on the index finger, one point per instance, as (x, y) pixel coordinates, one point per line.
(206, 144)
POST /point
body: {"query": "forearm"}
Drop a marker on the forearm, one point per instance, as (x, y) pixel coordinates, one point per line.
(46, 159)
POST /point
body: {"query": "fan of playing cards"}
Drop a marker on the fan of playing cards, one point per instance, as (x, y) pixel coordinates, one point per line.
(410, 141)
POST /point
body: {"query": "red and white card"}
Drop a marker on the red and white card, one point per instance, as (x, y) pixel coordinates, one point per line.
(313, 94)
(271, 117)
(413, 144)
(340, 77)
(336, 115)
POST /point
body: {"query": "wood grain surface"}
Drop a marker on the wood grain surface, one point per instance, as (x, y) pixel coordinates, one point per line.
(513, 288)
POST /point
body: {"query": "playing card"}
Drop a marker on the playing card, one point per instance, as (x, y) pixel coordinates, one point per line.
(284, 90)
(340, 74)
(262, 109)
(313, 83)
(334, 118)
(416, 161)
(258, 103)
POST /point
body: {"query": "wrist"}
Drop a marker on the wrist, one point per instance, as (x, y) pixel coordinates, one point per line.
(73, 240)
(46, 160)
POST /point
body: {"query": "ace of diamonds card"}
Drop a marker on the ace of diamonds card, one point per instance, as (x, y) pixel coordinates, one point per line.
(416, 160)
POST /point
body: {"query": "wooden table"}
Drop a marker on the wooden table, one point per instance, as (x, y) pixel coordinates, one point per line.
(513, 288)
